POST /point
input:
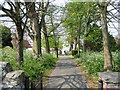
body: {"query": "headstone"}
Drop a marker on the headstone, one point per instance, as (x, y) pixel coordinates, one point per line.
(14, 80)
(9, 79)
(110, 79)
(5, 68)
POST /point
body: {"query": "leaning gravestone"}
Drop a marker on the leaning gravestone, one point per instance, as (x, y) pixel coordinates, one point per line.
(111, 80)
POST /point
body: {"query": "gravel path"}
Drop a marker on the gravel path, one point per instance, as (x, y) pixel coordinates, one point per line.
(66, 75)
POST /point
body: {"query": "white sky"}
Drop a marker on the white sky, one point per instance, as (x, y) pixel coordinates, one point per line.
(62, 3)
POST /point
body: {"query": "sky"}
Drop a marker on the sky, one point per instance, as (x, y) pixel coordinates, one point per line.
(62, 3)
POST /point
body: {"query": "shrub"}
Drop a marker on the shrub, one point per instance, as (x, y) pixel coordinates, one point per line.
(116, 58)
(5, 36)
(31, 66)
(48, 60)
(74, 52)
(77, 56)
(93, 62)
(69, 53)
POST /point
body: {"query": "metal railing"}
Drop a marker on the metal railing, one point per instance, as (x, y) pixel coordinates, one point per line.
(31, 85)
(100, 84)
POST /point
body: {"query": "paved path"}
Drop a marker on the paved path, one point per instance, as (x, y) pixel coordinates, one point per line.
(66, 75)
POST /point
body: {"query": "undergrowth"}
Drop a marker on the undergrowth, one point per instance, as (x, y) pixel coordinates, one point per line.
(32, 67)
(93, 62)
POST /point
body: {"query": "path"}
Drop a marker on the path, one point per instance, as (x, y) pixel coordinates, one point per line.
(66, 75)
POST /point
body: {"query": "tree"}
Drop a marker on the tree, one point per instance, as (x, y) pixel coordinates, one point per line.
(90, 16)
(44, 11)
(73, 24)
(14, 12)
(81, 16)
(113, 43)
(55, 19)
(107, 53)
(5, 36)
(35, 28)
(95, 37)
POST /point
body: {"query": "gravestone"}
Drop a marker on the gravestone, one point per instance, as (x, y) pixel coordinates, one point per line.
(11, 79)
(111, 80)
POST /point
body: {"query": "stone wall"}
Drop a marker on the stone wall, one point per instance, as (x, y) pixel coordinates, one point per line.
(10, 79)
(111, 80)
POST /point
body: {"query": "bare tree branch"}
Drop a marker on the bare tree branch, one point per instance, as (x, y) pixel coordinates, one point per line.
(113, 16)
(4, 15)
(115, 8)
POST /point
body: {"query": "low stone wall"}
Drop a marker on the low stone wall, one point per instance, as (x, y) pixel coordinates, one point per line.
(110, 80)
(10, 79)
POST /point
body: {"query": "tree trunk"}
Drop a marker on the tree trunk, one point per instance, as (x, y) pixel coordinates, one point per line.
(107, 52)
(40, 45)
(84, 47)
(55, 37)
(55, 43)
(19, 44)
(36, 28)
(47, 44)
(36, 36)
(75, 43)
(46, 36)
(78, 46)
(44, 10)
(71, 46)
(79, 25)
(56, 50)
(20, 33)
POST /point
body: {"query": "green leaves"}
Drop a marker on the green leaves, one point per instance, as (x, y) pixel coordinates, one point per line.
(80, 18)
(93, 62)
(5, 36)
(31, 66)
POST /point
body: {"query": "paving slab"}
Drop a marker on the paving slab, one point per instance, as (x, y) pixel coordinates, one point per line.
(66, 75)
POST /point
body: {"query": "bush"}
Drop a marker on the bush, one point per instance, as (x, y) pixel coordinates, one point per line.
(93, 62)
(48, 60)
(77, 56)
(116, 58)
(74, 52)
(69, 53)
(31, 66)
(5, 36)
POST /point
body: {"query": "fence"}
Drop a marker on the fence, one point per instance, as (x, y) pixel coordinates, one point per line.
(100, 84)
(33, 85)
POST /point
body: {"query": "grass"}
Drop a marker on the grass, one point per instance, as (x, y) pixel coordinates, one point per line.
(31, 66)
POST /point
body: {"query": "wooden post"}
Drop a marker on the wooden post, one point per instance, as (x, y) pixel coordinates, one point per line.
(41, 81)
(26, 82)
(100, 84)
(32, 85)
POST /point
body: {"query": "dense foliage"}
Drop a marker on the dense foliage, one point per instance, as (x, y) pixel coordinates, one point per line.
(5, 36)
(31, 66)
(51, 42)
(93, 62)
